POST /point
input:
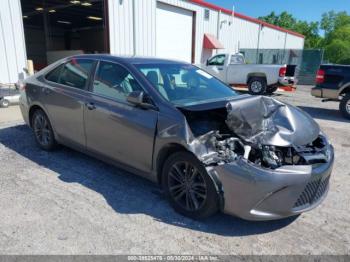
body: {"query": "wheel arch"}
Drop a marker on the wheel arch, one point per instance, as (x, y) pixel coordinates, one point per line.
(165, 152)
(345, 89)
(256, 74)
(31, 111)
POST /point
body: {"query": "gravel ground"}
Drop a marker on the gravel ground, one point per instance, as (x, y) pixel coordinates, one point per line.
(11, 114)
(67, 203)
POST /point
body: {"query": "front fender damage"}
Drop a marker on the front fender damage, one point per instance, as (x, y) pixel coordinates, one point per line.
(255, 135)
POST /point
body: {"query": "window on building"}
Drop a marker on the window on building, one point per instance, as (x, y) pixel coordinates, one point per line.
(114, 81)
(206, 14)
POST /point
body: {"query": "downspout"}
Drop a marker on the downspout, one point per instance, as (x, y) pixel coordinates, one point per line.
(134, 27)
(257, 49)
(218, 28)
(233, 31)
(284, 48)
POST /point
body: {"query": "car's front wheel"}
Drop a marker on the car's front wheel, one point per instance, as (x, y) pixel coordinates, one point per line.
(188, 186)
(345, 106)
(43, 132)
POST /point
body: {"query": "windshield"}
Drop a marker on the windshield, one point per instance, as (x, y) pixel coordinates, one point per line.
(185, 85)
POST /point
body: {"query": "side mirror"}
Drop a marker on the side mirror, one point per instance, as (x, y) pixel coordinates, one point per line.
(137, 98)
(207, 63)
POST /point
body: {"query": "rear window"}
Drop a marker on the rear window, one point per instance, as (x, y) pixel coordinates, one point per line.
(74, 73)
(54, 75)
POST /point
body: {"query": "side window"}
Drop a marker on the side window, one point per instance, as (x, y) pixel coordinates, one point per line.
(54, 75)
(236, 59)
(218, 60)
(76, 73)
(114, 81)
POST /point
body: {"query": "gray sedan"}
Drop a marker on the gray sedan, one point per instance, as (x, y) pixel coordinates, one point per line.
(208, 147)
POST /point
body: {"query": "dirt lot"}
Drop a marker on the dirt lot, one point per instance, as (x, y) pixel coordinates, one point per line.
(67, 203)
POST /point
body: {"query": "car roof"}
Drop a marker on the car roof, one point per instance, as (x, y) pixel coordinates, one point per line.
(129, 59)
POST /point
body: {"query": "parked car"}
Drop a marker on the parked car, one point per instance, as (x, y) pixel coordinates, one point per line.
(208, 147)
(260, 79)
(8, 96)
(333, 84)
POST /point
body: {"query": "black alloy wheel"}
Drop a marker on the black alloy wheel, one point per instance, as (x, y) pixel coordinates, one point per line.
(43, 132)
(187, 186)
(190, 189)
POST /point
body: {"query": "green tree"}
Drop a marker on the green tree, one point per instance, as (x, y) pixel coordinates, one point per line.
(338, 51)
(309, 30)
(336, 39)
(332, 21)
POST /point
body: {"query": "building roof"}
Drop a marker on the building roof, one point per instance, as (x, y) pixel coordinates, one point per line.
(248, 18)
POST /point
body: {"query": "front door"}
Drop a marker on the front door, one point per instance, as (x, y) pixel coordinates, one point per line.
(114, 127)
(216, 67)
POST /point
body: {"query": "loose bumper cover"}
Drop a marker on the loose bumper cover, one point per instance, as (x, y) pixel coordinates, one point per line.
(255, 193)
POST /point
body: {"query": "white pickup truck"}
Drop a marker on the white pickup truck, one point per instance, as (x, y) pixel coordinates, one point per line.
(260, 79)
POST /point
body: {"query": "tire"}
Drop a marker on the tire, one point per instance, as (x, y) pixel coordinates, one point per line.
(194, 201)
(257, 86)
(344, 106)
(4, 103)
(272, 89)
(43, 131)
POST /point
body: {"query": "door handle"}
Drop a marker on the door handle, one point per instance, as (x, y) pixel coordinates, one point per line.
(90, 106)
(220, 68)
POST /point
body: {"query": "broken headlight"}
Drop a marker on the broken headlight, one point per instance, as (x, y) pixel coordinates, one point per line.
(271, 157)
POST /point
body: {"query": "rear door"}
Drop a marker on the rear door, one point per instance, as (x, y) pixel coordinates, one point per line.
(64, 95)
(114, 128)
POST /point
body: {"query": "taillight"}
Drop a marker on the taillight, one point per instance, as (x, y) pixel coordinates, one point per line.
(283, 71)
(320, 76)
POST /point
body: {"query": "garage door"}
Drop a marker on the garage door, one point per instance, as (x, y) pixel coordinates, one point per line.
(174, 33)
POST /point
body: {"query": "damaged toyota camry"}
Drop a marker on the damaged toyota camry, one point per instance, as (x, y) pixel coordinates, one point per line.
(208, 147)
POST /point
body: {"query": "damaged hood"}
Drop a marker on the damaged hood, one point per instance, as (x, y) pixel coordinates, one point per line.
(266, 121)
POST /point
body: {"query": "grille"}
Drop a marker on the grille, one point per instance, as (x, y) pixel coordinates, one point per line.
(312, 192)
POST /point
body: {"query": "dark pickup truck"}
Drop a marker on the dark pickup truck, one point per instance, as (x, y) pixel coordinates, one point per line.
(333, 84)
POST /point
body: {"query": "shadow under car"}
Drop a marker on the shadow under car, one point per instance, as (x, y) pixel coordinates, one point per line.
(124, 192)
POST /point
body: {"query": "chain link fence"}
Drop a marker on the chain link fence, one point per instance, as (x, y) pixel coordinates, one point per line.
(307, 61)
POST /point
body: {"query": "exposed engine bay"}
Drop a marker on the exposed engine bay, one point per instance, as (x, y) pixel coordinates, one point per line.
(261, 130)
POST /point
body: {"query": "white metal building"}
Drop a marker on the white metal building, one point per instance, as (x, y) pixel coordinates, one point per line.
(188, 30)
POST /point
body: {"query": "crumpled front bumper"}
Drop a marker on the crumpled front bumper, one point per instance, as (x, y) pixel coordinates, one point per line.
(256, 193)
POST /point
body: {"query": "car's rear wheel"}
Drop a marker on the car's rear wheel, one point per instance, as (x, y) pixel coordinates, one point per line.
(257, 85)
(43, 132)
(345, 106)
(4, 103)
(188, 186)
